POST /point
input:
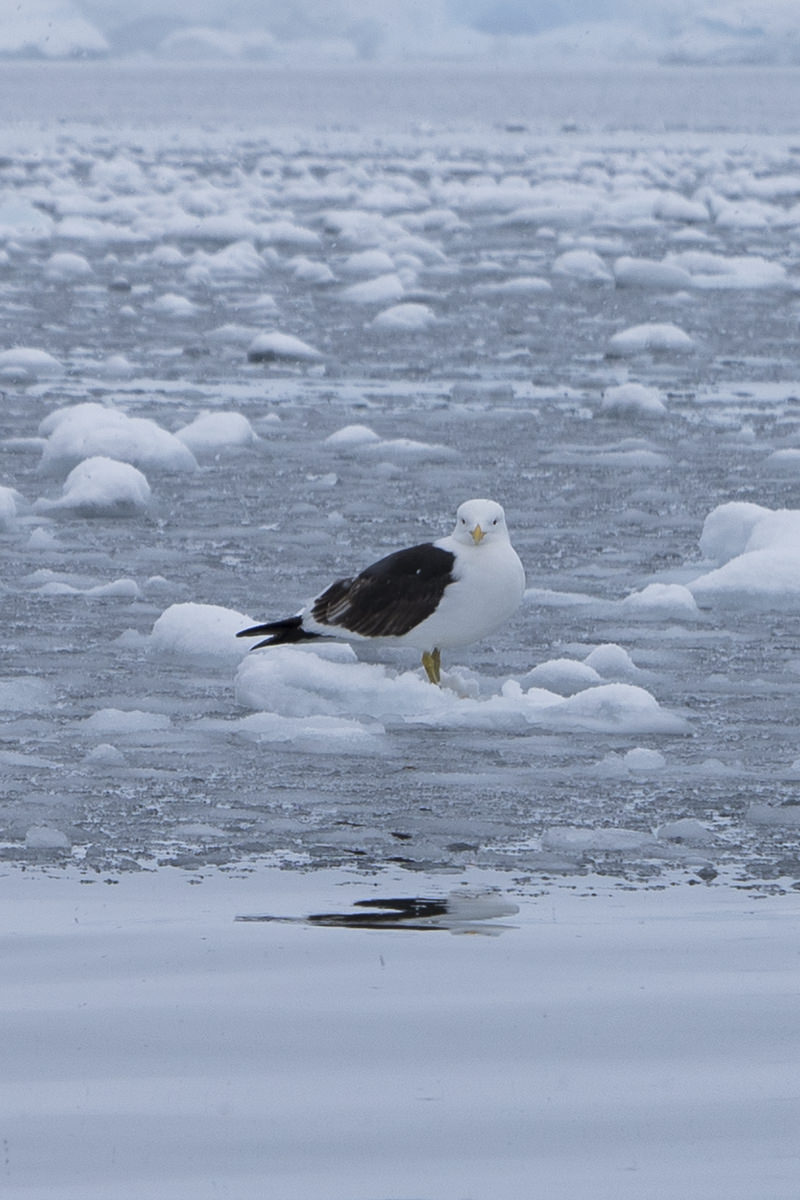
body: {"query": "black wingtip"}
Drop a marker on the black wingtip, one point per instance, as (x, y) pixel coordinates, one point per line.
(280, 633)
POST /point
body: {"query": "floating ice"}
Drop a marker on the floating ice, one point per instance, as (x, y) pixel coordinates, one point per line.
(632, 399)
(25, 362)
(10, 500)
(368, 262)
(204, 632)
(649, 338)
(647, 273)
(122, 722)
(313, 734)
(408, 318)
(213, 431)
(575, 839)
(67, 268)
(707, 270)
(173, 305)
(299, 683)
(686, 829)
(22, 221)
(351, 436)
(275, 346)
(25, 694)
(239, 260)
(382, 290)
(585, 265)
(100, 487)
(88, 429)
(660, 600)
(759, 555)
(308, 270)
(564, 676)
(519, 285)
(46, 837)
(612, 662)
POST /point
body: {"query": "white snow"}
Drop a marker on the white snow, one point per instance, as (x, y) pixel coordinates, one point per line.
(90, 429)
(758, 552)
(275, 346)
(381, 290)
(27, 362)
(584, 265)
(407, 318)
(658, 337)
(212, 431)
(632, 399)
(100, 487)
(202, 632)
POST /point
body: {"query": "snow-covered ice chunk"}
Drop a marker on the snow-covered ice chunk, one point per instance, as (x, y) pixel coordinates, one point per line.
(239, 260)
(23, 363)
(632, 399)
(612, 662)
(662, 600)
(404, 318)
(83, 430)
(173, 305)
(275, 346)
(708, 271)
(648, 273)
(650, 338)
(564, 676)
(368, 262)
(409, 450)
(202, 632)
(381, 290)
(686, 829)
(121, 722)
(616, 707)
(212, 431)
(100, 487)
(25, 694)
(66, 267)
(46, 837)
(586, 265)
(643, 759)
(351, 436)
(576, 839)
(308, 270)
(759, 555)
(319, 734)
(10, 500)
(518, 285)
(22, 221)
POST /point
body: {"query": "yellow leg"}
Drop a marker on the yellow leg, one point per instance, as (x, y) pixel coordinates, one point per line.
(432, 662)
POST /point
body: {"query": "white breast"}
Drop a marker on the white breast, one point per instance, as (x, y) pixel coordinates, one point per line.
(486, 592)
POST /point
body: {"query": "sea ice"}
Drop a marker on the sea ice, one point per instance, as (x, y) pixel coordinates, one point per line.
(650, 338)
(632, 399)
(203, 632)
(100, 487)
(212, 431)
(275, 346)
(89, 429)
(404, 318)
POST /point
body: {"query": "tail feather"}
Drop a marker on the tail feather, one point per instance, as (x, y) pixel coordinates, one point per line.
(280, 633)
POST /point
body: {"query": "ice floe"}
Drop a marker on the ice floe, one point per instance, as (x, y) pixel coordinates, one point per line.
(100, 487)
(90, 429)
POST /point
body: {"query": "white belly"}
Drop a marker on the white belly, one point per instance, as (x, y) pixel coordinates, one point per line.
(486, 594)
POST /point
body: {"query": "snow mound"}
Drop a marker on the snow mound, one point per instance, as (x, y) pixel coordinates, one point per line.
(314, 735)
(46, 837)
(405, 318)
(650, 338)
(173, 305)
(708, 271)
(350, 436)
(660, 600)
(123, 722)
(298, 682)
(239, 260)
(209, 432)
(25, 694)
(10, 501)
(381, 290)
(612, 662)
(202, 632)
(100, 487)
(24, 363)
(586, 265)
(632, 399)
(648, 273)
(66, 267)
(562, 675)
(276, 347)
(758, 552)
(575, 839)
(90, 429)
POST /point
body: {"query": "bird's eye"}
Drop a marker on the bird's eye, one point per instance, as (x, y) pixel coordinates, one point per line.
(494, 522)
(463, 520)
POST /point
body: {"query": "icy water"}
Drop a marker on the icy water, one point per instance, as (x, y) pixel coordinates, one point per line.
(467, 210)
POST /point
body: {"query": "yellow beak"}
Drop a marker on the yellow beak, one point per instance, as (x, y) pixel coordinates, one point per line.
(477, 534)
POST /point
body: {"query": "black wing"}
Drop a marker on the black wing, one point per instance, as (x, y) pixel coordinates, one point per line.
(392, 596)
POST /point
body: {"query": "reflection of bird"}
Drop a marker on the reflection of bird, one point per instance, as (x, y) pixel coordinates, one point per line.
(435, 596)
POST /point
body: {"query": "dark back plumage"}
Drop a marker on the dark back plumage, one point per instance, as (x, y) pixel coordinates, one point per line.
(390, 597)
